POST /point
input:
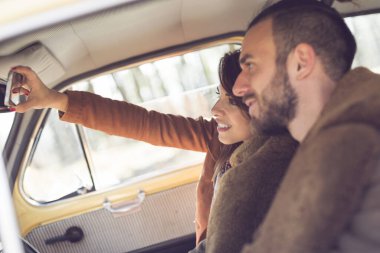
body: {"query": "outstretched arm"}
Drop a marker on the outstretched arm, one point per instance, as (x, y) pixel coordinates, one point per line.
(117, 117)
(320, 192)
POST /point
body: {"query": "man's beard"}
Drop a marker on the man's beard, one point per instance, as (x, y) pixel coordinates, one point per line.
(277, 106)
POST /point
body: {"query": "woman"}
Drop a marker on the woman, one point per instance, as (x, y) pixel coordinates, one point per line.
(218, 137)
(232, 118)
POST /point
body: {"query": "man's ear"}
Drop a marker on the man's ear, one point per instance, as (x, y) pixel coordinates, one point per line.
(303, 61)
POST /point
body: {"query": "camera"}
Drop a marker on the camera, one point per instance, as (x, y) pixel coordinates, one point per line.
(7, 97)
(3, 87)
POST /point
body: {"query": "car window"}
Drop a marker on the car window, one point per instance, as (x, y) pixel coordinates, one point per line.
(58, 163)
(365, 29)
(69, 160)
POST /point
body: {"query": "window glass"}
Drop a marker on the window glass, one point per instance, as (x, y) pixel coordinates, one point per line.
(169, 86)
(58, 166)
(366, 31)
(183, 85)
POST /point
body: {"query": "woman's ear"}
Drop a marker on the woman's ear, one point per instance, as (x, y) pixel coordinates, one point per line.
(303, 61)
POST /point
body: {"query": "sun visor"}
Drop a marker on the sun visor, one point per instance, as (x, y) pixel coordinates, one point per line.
(36, 57)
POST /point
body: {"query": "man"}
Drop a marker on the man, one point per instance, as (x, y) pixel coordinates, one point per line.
(296, 58)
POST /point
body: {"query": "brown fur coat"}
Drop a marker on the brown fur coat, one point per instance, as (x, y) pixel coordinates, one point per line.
(246, 191)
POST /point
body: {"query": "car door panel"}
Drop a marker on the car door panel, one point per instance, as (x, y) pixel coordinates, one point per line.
(170, 213)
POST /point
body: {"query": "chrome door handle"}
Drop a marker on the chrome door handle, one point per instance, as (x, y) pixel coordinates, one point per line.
(125, 207)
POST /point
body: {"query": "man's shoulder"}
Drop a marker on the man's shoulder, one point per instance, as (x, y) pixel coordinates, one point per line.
(359, 83)
(338, 144)
(356, 99)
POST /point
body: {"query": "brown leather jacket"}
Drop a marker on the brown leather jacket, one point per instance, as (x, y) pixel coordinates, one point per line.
(131, 121)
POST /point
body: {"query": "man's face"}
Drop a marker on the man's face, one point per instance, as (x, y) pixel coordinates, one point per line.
(264, 86)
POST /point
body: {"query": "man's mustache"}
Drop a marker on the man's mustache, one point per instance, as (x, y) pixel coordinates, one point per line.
(249, 96)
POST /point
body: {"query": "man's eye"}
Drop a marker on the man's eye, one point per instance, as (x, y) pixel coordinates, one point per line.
(250, 66)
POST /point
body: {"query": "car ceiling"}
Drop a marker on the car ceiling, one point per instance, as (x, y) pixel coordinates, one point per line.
(64, 50)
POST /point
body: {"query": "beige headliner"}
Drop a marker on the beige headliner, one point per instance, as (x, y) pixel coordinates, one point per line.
(113, 35)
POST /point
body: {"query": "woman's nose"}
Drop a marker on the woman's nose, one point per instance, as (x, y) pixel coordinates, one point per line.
(241, 85)
(216, 110)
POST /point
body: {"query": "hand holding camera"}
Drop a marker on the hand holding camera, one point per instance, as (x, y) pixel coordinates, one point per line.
(25, 91)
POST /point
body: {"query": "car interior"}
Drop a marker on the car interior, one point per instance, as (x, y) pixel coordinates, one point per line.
(79, 190)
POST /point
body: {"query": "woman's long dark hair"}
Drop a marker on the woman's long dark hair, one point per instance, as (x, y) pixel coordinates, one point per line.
(229, 69)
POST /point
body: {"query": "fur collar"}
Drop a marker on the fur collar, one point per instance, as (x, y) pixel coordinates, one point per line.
(246, 149)
(355, 99)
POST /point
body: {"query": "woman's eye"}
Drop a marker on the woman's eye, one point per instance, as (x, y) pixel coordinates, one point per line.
(232, 101)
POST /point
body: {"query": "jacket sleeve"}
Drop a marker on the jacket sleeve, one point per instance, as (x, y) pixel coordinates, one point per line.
(320, 192)
(132, 121)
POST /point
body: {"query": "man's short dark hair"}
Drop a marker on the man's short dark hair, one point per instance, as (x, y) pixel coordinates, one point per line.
(314, 23)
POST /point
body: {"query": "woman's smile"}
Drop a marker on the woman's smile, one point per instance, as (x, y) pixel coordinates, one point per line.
(223, 127)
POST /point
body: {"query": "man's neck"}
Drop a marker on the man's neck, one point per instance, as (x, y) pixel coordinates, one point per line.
(311, 102)
(300, 126)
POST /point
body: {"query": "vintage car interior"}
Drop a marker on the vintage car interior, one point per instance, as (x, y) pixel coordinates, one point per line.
(79, 190)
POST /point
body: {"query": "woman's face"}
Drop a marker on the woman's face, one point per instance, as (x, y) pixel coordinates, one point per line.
(233, 123)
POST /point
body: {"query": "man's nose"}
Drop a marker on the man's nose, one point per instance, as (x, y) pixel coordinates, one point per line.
(241, 85)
